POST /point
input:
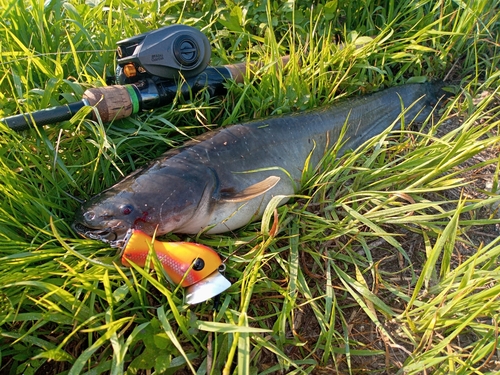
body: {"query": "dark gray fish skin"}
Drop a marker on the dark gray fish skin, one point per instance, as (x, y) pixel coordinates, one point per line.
(226, 180)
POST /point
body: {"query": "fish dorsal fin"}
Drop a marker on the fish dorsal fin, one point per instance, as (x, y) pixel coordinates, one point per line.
(250, 192)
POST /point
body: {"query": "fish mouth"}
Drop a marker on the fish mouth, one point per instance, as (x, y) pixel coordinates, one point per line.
(107, 235)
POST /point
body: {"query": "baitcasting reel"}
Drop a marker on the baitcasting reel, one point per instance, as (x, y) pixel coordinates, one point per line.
(166, 53)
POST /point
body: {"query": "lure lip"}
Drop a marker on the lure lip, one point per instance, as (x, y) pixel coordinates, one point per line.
(211, 286)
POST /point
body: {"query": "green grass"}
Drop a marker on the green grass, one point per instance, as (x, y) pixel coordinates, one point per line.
(385, 262)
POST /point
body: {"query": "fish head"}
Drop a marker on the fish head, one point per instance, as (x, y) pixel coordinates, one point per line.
(106, 217)
(154, 204)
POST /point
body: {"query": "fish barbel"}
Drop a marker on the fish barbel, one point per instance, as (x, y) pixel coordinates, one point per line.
(225, 180)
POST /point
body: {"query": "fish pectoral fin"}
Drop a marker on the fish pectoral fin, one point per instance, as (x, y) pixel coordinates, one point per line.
(250, 192)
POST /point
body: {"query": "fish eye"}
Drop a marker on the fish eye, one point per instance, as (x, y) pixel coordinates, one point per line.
(126, 209)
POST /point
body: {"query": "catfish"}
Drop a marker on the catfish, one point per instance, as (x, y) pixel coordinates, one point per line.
(226, 179)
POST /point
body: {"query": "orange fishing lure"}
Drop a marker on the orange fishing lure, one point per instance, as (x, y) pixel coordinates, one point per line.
(186, 263)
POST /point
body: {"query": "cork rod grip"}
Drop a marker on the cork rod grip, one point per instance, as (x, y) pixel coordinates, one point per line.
(112, 102)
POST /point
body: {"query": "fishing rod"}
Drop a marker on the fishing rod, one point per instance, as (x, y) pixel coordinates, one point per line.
(152, 69)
